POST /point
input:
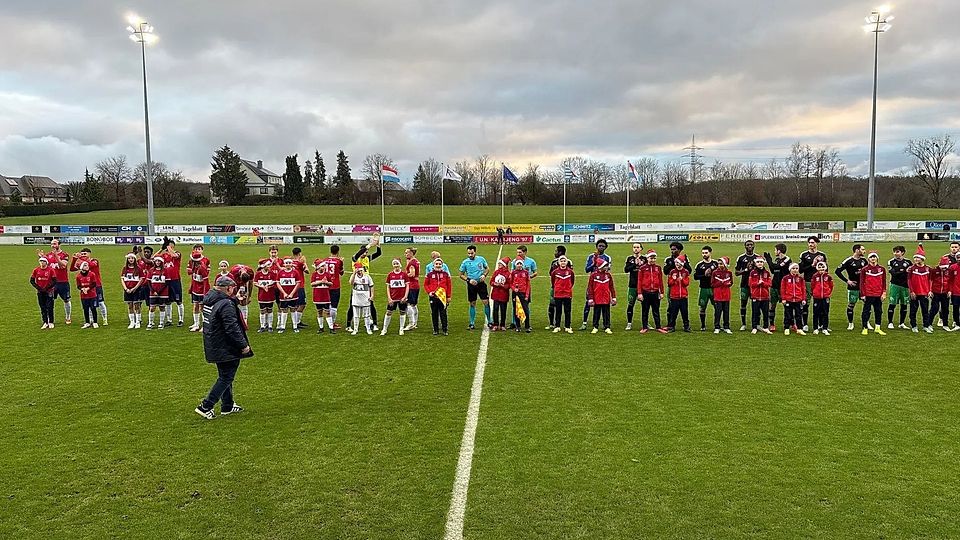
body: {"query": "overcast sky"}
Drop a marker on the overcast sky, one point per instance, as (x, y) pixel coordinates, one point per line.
(525, 80)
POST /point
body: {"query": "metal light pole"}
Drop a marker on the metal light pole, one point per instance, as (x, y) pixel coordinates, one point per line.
(142, 33)
(878, 22)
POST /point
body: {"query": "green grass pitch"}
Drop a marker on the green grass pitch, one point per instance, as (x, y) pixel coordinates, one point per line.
(582, 436)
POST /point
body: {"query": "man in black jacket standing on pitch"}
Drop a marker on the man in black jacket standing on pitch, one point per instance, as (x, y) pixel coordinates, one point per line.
(224, 344)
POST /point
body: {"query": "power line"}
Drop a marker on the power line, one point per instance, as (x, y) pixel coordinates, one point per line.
(694, 159)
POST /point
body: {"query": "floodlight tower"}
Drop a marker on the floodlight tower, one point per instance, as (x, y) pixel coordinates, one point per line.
(142, 33)
(878, 22)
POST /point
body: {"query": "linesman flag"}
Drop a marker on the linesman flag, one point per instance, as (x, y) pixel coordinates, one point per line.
(518, 308)
(508, 175)
(441, 294)
(389, 174)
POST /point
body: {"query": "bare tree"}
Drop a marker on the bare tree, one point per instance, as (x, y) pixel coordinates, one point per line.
(372, 165)
(115, 173)
(930, 166)
(486, 179)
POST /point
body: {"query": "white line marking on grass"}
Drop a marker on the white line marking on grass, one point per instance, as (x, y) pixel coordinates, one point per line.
(458, 501)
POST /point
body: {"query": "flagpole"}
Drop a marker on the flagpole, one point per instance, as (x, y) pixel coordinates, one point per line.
(564, 202)
(503, 188)
(383, 219)
(443, 179)
(628, 195)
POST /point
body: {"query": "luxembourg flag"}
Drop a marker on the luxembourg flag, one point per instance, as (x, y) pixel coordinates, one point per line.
(389, 174)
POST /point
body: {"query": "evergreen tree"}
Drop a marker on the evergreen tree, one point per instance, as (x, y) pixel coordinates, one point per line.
(319, 178)
(342, 182)
(228, 182)
(307, 176)
(421, 186)
(292, 181)
(92, 188)
(16, 198)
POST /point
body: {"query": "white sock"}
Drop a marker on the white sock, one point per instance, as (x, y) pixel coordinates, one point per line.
(169, 311)
(244, 311)
(386, 322)
(68, 309)
(330, 322)
(282, 320)
(132, 317)
(403, 321)
(367, 322)
(356, 319)
(179, 313)
(162, 315)
(138, 317)
(263, 320)
(333, 314)
(195, 316)
(103, 310)
(296, 318)
(269, 317)
(320, 322)
(415, 315)
(150, 318)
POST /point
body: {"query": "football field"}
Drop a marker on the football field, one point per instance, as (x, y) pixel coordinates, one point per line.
(578, 436)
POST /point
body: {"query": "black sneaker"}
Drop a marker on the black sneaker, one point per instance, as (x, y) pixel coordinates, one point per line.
(333, 331)
(687, 330)
(472, 327)
(436, 333)
(180, 324)
(703, 328)
(319, 330)
(232, 410)
(445, 333)
(529, 330)
(302, 325)
(261, 330)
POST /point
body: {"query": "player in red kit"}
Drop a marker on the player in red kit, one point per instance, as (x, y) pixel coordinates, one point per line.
(335, 265)
(59, 260)
(873, 291)
(500, 293)
(44, 280)
(398, 287)
(133, 282)
(919, 283)
(821, 288)
(562, 279)
(721, 281)
(412, 269)
(242, 274)
(172, 262)
(85, 255)
(601, 294)
(321, 280)
(87, 286)
(288, 283)
(159, 292)
(198, 269)
(265, 281)
(300, 264)
(793, 296)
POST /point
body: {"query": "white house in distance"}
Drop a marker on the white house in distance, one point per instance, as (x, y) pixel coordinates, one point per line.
(261, 181)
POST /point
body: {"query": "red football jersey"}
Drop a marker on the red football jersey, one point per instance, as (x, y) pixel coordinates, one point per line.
(301, 268)
(131, 277)
(238, 269)
(45, 278)
(171, 264)
(413, 264)
(87, 285)
(288, 281)
(94, 265)
(199, 279)
(59, 262)
(562, 280)
(500, 281)
(397, 286)
(158, 282)
(321, 293)
(266, 282)
(334, 270)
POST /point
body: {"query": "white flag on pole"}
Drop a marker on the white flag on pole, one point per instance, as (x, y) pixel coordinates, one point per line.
(450, 174)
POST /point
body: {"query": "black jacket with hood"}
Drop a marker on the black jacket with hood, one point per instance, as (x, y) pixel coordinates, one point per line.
(224, 334)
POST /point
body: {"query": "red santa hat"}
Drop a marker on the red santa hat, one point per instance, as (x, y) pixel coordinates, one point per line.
(725, 261)
(821, 264)
(196, 256)
(760, 260)
(603, 264)
(651, 253)
(944, 262)
(158, 258)
(873, 255)
(504, 261)
(920, 252)
(357, 266)
(131, 256)
(288, 261)
(318, 261)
